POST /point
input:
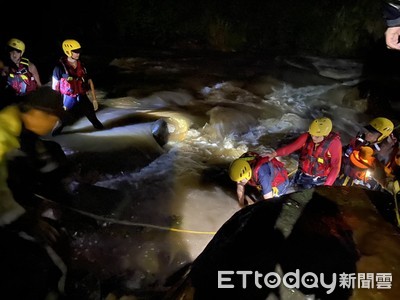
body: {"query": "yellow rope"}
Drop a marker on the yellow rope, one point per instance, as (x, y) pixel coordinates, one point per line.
(128, 223)
(291, 173)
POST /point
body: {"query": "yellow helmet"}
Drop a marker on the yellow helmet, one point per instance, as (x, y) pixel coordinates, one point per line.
(240, 169)
(383, 125)
(320, 127)
(70, 45)
(17, 45)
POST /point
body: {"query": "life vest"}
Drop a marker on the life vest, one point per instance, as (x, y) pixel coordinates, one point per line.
(21, 79)
(358, 142)
(316, 162)
(73, 81)
(256, 161)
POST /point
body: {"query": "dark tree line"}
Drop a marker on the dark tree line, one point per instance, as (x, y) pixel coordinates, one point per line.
(330, 27)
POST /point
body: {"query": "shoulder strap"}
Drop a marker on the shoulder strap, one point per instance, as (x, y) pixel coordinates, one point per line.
(24, 61)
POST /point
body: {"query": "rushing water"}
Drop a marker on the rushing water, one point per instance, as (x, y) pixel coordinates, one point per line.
(157, 204)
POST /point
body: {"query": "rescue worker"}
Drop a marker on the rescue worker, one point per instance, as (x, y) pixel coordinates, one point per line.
(390, 183)
(72, 80)
(28, 270)
(320, 155)
(374, 134)
(359, 168)
(268, 176)
(391, 171)
(21, 74)
(378, 136)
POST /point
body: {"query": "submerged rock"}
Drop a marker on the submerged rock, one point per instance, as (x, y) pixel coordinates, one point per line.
(331, 232)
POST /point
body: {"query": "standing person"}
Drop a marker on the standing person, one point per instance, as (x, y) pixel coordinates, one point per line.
(268, 176)
(28, 270)
(21, 74)
(320, 154)
(391, 10)
(72, 80)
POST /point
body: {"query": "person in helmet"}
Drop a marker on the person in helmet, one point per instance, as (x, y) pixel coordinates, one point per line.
(357, 172)
(378, 136)
(320, 154)
(267, 177)
(21, 127)
(373, 134)
(21, 75)
(71, 79)
(24, 233)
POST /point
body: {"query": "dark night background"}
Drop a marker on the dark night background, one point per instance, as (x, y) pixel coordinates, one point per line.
(105, 28)
(217, 30)
(327, 27)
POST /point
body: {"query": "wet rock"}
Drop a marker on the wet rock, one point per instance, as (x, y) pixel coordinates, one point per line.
(327, 231)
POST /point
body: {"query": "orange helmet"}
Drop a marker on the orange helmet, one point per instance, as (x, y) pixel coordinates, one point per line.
(362, 158)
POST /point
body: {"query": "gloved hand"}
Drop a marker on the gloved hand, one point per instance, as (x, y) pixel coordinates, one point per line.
(271, 155)
(95, 105)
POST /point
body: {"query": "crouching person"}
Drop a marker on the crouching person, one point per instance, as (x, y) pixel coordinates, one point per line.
(30, 267)
(265, 177)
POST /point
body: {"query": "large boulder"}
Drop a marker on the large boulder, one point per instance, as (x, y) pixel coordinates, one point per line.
(327, 231)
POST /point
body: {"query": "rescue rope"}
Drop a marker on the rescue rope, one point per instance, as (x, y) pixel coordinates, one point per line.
(127, 223)
(291, 173)
(137, 224)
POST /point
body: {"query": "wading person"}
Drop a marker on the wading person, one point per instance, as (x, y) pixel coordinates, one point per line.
(320, 155)
(72, 80)
(21, 74)
(265, 178)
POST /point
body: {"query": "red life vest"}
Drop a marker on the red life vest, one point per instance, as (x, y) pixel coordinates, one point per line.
(74, 81)
(316, 162)
(280, 174)
(21, 79)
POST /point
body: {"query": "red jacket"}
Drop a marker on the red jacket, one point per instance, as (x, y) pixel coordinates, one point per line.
(330, 158)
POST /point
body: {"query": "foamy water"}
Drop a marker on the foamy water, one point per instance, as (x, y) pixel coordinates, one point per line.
(183, 184)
